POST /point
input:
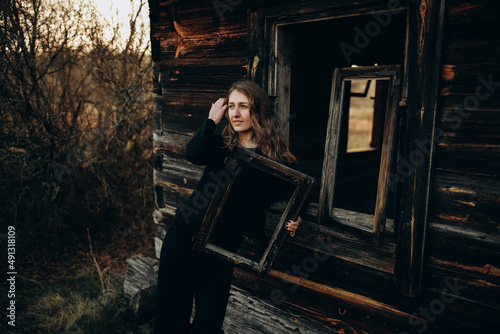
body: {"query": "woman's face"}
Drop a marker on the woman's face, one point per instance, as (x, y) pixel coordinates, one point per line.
(239, 112)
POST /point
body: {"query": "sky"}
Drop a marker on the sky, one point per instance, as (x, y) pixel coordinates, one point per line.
(115, 11)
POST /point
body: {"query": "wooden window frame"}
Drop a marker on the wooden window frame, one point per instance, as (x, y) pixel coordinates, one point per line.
(336, 114)
(303, 184)
(269, 65)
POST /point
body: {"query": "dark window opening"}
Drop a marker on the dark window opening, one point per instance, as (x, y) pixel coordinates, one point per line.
(315, 53)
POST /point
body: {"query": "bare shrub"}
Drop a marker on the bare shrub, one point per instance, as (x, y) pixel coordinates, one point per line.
(75, 115)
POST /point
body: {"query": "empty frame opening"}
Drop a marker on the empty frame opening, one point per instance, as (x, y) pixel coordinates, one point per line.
(316, 49)
(236, 233)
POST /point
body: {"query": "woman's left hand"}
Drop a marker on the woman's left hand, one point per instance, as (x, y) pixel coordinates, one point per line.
(293, 225)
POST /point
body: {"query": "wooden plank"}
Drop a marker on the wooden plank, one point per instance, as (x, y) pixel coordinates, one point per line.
(478, 287)
(297, 8)
(179, 172)
(283, 79)
(331, 149)
(388, 155)
(475, 51)
(465, 19)
(471, 158)
(469, 37)
(250, 314)
(482, 274)
(469, 72)
(205, 48)
(465, 200)
(171, 144)
(425, 35)
(257, 48)
(453, 101)
(346, 246)
(471, 88)
(220, 60)
(459, 123)
(197, 78)
(462, 246)
(182, 43)
(173, 194)
(139, 287)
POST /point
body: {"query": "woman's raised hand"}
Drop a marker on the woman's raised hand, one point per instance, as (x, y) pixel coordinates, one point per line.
(217, 110)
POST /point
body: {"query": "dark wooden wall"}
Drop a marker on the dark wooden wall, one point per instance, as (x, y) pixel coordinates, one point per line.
(464, 222)
(199, 53)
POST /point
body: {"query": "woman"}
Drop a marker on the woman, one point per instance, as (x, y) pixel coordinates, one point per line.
(184, 273)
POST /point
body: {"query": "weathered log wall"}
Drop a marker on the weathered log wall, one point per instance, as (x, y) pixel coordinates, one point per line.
(464, 222)
(198, 53)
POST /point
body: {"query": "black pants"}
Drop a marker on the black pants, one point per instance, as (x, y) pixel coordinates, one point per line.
(183, 274)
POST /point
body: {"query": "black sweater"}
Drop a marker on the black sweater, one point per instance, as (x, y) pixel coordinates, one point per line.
(245, 208)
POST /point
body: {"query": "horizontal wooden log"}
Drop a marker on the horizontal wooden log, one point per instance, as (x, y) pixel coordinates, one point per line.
(481, 284)
(459, 124)
(186, 118)
(173, 194)
(292, 8)
(184, 112)
(465, 18)
(452, 285)
(216, 60)
(172, 144)
(457, 101)
(473, 51)
(206, 47)
(487, 142)
(469, 72)
(467, 158)
(469, 201)
(179, 172)
(199, 78)
(470, 88)
(247, 313)
(462, 246)
(468, 36)
(139, 287)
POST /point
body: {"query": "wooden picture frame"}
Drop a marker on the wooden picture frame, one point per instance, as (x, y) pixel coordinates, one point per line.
(303, 184)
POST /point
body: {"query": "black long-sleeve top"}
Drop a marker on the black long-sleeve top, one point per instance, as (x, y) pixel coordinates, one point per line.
(250, 195)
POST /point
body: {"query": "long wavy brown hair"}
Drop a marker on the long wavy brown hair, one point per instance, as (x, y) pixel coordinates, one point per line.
(265, 126)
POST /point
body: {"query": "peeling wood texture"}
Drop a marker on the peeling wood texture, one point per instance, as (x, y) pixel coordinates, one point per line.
(139, 287)
(332, 275)
(252, 314)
